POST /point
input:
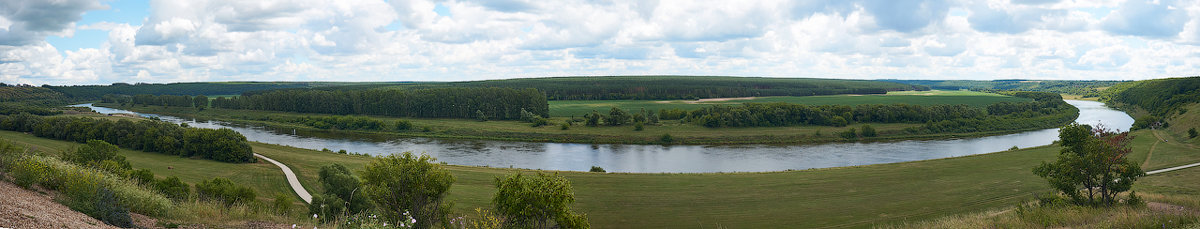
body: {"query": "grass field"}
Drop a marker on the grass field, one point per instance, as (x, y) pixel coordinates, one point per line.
(577, 108)
(836, 197)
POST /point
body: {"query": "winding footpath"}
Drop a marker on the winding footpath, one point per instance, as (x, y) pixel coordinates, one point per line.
(291, 178)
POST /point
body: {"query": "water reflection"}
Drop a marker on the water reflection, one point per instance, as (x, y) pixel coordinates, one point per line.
(656, 158)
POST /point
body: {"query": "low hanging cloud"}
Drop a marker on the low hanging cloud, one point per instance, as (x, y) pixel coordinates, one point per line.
(371, 40)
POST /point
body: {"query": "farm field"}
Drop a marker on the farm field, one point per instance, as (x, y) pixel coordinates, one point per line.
(837, 197)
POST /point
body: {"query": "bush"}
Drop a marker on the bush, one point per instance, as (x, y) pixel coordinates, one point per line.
(564, 126)
(109, 210)
(868, 131)
(224, 190)
(638, 126)
(327, 207)
(337, 181)
(480, 116)
(402, 125)
(666, 139)
(142, 176)
(539, 201)
(539, 121)
(1192, 132)
(173, 188)
(406, 183)
(849, 134)
(282, 203)
(343, 151)
(838, 121)
(597, 169)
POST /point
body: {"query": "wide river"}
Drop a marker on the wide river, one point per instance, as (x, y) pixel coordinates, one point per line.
(658, 158)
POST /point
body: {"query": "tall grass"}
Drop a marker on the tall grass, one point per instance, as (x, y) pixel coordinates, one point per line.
(78, 185)
(1031, 216)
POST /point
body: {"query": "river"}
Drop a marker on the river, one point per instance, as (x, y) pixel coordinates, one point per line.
(658, 158)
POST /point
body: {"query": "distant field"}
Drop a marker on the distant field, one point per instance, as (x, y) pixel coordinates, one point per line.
(568, 108)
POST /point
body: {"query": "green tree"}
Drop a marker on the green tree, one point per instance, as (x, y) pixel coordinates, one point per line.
(338, 181)
(173, 188)
(838, 121)
(408, 183)
(849, 134)
(1092, 167)
(539, 201)
(593, 119)
(93, 153)
(1192, 133)
(224, 190)
(616, 117)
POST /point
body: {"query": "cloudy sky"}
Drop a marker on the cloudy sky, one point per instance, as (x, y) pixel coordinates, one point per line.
(100, 42)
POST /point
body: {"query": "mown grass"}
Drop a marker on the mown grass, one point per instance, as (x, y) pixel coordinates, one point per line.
(577, 108)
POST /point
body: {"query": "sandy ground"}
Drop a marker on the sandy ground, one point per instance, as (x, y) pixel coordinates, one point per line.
(21, 208)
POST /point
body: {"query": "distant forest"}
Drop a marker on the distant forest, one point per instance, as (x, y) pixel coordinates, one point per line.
(1087, 89)
(666, 87)
(493, 103)
(205, 88)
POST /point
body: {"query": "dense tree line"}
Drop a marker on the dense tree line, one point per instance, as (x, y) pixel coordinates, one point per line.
(151, 136)
(12, 93)
(1160, 96)
(670, 87)
(158, 100)
(494, 103)
(202, 88)
(1086, 88)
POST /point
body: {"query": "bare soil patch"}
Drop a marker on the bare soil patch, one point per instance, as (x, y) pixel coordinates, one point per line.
(21, 208)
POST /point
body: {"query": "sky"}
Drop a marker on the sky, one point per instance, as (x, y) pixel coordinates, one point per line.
(75, 42)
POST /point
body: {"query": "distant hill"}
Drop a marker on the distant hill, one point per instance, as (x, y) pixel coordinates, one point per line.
(201, 88)
(1087, 89)
(1159, 97)
(666, 87)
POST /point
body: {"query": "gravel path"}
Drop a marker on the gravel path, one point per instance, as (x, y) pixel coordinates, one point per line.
(21, 208)
(291, 178)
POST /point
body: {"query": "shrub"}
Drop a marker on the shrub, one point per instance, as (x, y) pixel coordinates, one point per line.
(282, 203)
(173, 188)
(142, 176)
(406, 183)
(539, 121)
(326, 207)
(638, 126)
(343, 151)
(109, 210)
(849, 134)
(1192, 133)
(868, 131)
(224, 190)
(597, 169)
(480, 116)
(838, 121)
(402, 125)
(539, 201)
(26, 172)
(564, 126)
(92, 152)
(337, 181)
(666, 139)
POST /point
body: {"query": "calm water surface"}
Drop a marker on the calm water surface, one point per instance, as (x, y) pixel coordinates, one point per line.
(657, 158)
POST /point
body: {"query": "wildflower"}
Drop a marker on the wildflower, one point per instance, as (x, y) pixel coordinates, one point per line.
(414, 221)
(314, 216)
(293, 226)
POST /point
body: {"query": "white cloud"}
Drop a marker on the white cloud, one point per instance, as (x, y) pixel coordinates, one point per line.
(363, 40)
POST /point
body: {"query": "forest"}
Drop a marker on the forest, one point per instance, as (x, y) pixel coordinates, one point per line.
(89, 92)
(1159, 96)
(494, 103)
(668, 87)
(1046, 109)
(1085, 88)
(147, 135)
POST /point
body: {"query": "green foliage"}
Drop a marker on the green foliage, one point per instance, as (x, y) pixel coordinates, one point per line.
(539, 121)
(616, 117)
(1093, 160)
(1192, 132)
(92, 153)
(407, 183)
(337, 181)
(666, 139)
(1159, 96)
(199, 88)
(282, 203)
(147, 135)
(838, 121)
(1074, 87)
(849, 134)
(564, 126)
(142, 176)
(225, 191)
(597, 169)
(402, 125)
(480, 116)
(638, 126)
(593, 119)
(109, 210)
(868, 131)
(173, 188)
(539, 201)
(496, 103)
(1144, 122)
(327, 207)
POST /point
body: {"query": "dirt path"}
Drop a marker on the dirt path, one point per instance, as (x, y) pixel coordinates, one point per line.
(291, 178)
(1146, 163)
(21, 208)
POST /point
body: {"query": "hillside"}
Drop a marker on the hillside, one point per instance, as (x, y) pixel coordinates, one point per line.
(1084, 88)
